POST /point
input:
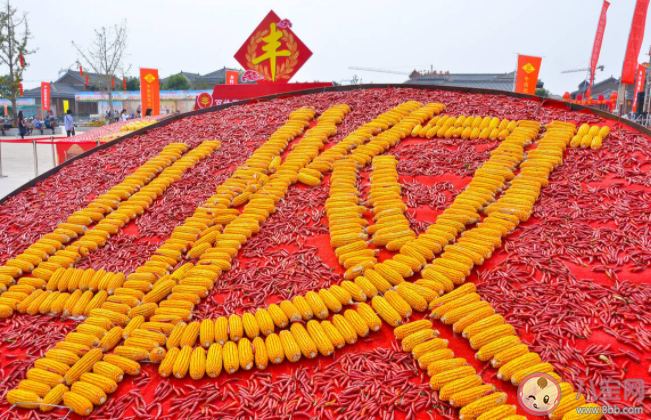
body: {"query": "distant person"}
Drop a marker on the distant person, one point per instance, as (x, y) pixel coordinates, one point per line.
(116, 115)
(177, 112)
(168, 112)
(139, 112)
(2, 125)
(22, 128)
(69, 123)
(38, 124)
(148, 112)
(29, 125)
(123, 115)
(48, 123)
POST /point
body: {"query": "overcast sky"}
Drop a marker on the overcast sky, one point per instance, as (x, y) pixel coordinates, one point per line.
(461, 36)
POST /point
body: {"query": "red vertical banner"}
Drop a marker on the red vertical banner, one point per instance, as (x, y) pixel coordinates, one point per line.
(112, 82)
(20, 87)
(596, 47)
(45, 96)
(86, 80)
(527, 74)
(22, 61)
(639, 85)
(150, 90)
(634, 42)
(124, 82)
(81, 71)
(232, 77)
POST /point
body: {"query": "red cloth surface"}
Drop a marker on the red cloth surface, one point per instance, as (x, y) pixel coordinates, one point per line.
(384, 338)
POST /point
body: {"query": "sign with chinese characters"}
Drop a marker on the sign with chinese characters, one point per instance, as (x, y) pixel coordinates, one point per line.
(639, 85)
(527, 74)
(232, 77)
(224, 94)
(273, 52)
(45, 96)
(150, 90)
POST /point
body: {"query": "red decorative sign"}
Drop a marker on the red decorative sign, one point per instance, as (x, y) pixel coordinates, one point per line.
(124, 82)
(232, 77)
(150, 90)
(596, 48)
(273, 51)
(81, 71)
(223, 94)
(527, 74)
(22, 61)
(639, 85)
(45, 96)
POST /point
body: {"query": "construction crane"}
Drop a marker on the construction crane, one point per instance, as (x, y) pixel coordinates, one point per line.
(601, 67)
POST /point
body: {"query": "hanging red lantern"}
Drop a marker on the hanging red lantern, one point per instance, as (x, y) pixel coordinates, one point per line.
(22, 61)
(112, 82)
(601, 97)
(579, 98)
(20, 86)
(567, 96)
(613, 96)
(86, 80)
(81, 71)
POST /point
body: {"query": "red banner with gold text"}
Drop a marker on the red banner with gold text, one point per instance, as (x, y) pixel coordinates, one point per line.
(596, 48)
(45, 96)
(527, 74)
(634, 42)
(639, 85)
(150, 90)
(232, 77)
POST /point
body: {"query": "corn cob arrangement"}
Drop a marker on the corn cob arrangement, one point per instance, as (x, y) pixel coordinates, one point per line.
(588, 136)
(391, 228)
(465, 128)
(49, 254)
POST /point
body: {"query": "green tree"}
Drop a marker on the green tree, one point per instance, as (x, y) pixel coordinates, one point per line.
(542, 92)
(13, 44)
(177, 82)
(133, 83)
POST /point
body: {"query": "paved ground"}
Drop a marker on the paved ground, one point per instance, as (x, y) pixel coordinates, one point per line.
(18, 162)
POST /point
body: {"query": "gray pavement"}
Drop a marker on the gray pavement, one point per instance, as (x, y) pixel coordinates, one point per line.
(18, 162)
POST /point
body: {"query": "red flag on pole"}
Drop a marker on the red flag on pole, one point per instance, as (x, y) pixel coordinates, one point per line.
(20, 85)
(86, 80)
(112, 82)
(124, 83)
(45, 96)
(81, 71)
(634, 42)
(639, 85)
(22, 61)
(596, 48)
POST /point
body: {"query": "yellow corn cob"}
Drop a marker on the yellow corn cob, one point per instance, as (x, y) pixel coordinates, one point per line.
(376, 280)
(330, 300)
(109, 371)
(198, 363)
(260, 353)
(509, 354)
(465, 289)
(350, 326)
(277, 315)
(62, 356)
(54, 397)
(415, 301)
(567, 406)
(365, 286)
(221, 330)
(167, 365)
(264, 321)
(130, 367)
(520, 375)
(207, 332)
(482, 405)
(463, 398)
(459, 385)
(89, 391)
(141, 342)
(483, 325)
(77, 403)
(411, 327)
(369, 316)
(386, 311)
(182, 362)
(230, 357)
(235, 327)
(507, 370)
(50, 379)
(52, 366)
(452, 316)
(489, 350)
(85, 364)
(303, 308)
(38, 388)
(275, 350)
(498, 413)
(428, 346)
(111, 339)
(440, 379)
(290, 310)
(479, 315)
(490, 335)
(190, 334)
(434, 356)
(302, 337)
(293, 349)
(245, 353)
(78, 349)
(132, 353)
(418, 337)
